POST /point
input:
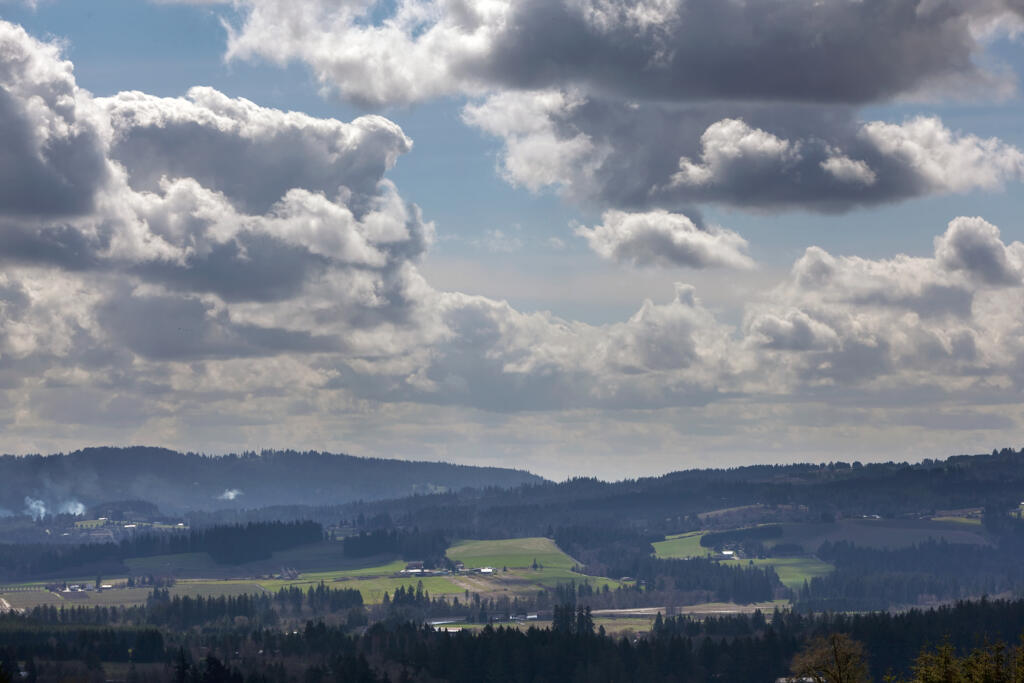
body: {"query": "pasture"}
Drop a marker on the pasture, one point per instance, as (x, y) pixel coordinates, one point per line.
(681, 546)
(792, 571)
(514, 553)
(518, 555)
(198, 575)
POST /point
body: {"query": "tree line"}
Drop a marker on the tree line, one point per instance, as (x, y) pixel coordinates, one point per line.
(233, 544)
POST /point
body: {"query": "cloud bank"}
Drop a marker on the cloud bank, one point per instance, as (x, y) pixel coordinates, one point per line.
(206, 268)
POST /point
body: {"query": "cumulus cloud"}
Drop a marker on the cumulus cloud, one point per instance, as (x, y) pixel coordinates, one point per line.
(826, 51)
(251, 154)
(730, 147)
(973, 245)
(772, 157)
(665, 239)
(53, 150)
(652, 104)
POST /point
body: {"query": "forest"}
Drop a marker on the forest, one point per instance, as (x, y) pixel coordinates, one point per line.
(962, 642)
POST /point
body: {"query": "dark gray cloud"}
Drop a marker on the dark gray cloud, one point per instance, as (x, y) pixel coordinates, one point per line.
(627, 104)
(658, 50)
(251, 267)
(825, 51)
(764, 156)
(163, 327)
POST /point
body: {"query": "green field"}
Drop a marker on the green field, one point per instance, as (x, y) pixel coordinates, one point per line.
(792, 571)
(518, 554)
(681, 546)
(970, 521)
(197, 574)
(514, 553)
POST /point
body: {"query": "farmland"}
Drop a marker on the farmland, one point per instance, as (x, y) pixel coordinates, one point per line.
(198, 575)
(512, 560)
(792, 571)
(681, 546)
(518, 556)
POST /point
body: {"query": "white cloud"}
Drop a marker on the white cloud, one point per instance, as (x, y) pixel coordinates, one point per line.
(973, 245)
(252, 154)
(945, 161)
(731, 147)
(665, 239)
(849, 170)
(53, 150)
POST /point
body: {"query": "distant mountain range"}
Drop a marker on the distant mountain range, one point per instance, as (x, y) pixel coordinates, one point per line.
(177, 482)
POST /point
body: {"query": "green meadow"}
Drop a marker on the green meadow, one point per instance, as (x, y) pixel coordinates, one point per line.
(681, 546)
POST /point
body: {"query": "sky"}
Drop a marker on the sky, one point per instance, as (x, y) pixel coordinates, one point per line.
(580, 237)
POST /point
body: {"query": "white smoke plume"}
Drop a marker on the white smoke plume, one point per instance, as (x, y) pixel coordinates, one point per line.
(229, 494)
(72, 507)
(35, 508)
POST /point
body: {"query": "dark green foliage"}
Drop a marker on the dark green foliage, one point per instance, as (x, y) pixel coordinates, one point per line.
(429, 547)
(724, 583)
(741, 648)
(233, 544)
(870, 578)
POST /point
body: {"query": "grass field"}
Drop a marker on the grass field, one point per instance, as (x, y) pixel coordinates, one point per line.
(518, 554)
(969, 521)
(681, 546)
(29, 599)
(197, 574)
(514, 553)
(792, 571)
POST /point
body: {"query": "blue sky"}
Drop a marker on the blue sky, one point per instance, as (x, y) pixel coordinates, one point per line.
(542, 184)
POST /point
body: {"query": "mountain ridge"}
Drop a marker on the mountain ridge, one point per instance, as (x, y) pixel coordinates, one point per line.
(177, 481)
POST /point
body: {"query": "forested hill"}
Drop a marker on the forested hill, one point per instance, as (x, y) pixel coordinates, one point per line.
(178, 481)
(673, 502)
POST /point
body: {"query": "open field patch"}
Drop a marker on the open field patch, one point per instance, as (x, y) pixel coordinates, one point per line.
(29, 599)
(518, 553)
(681, 546)
(792, 571)
(969, 521)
